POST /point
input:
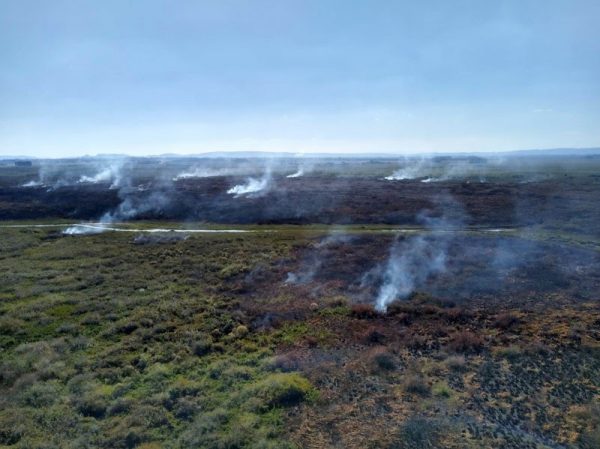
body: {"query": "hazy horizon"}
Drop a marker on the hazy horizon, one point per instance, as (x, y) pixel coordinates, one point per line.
(297, 76)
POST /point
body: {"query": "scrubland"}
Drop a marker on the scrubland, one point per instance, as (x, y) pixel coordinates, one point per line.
(272, 338)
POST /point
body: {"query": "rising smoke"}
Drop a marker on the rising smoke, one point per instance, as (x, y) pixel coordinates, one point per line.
(429, 170)
(414, 259)
(297, 174)
(253, 187)
(200, 172)
(411, 262)
(313, 261)
(112, 173)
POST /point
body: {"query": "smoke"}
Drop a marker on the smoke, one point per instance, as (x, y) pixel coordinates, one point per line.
(205, 173)
(135, 201)
(84, 229)
(33, 183)
(54, 175)
(44, 179)
(413, 260)
(253, 186)
(112, 174)
(132, 206)
(304, 166)
(297, 174)
(412, 169)
(313, 261)
(440, 169)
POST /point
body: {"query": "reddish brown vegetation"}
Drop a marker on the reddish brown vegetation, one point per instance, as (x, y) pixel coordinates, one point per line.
(467, 342)
(363, 311)
(505, 320)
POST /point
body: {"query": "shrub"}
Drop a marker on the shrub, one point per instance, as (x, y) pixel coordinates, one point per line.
(278, 390)
(205, 424)
(127, 328)
(240, 331)
(202, 345)
(466, 341)
(11, 326)
(458, 315)
(415, 341)
(505, 320)
(511, 353)
(590, 439)
(441, 389)
(120, 406)
(417, 433)
(91, 405)
(185, 408)
(456, 362)
(373, 335)
(382, 359)
(285, 362)
(363, 311)
(12, 427)
(40, 395)
(336, 301)
(416, 385)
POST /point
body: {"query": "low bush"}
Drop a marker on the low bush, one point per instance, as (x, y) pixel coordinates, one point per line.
(373, 335)
(202, 345)
(382, 360)
(417, 433)
(277, 390)
(441, 389)
(363, 311)
(458, 315)
(416, 385)
(505, 320)
(511, 353)
(467, 342)
(285, 362)
(456, 363)
(91, 405)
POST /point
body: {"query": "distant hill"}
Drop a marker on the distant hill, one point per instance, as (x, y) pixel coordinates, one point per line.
(296, 155)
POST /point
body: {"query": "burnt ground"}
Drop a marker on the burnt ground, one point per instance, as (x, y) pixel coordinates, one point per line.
(478, 270)
(568, 203)
(501, 350)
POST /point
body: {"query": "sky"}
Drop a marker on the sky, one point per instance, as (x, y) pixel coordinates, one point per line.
(155, 76)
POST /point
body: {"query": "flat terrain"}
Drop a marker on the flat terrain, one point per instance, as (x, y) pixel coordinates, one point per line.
(140, 336)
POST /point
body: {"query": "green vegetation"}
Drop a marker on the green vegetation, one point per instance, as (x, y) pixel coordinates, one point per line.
(109, 344)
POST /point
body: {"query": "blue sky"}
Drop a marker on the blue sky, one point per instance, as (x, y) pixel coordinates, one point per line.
(149, 77)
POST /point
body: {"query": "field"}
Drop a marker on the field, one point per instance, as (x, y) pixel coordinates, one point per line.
(457, 307)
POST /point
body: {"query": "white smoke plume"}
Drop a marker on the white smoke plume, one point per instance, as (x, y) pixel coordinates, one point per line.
(410, 263)
(133, 206)
(432, 170)
(411, 169)
(33, 183)
(313, 261)
(134, 201)
(205, 173)
(297, 174)
(414, 259)
(253, 186)
(112, 174)
(42, 179)
(84, 229)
